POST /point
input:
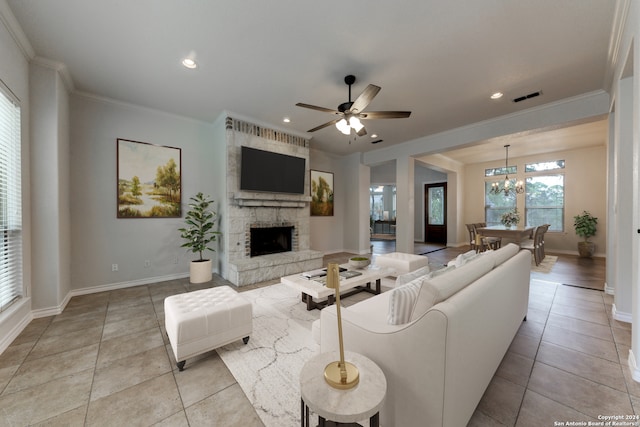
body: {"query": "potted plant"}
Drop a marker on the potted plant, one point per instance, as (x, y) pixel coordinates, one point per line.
(585, 226)
(199, 233)
(510, 218)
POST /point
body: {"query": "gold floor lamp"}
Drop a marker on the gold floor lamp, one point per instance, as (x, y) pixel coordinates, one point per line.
(339, 374)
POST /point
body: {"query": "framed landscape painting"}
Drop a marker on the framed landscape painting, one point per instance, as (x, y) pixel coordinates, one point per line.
(149, 180)
(321, 193)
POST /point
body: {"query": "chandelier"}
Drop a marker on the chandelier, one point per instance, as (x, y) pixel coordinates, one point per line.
(506, 188)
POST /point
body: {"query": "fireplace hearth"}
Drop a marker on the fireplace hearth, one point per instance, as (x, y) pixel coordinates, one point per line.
(271, 240)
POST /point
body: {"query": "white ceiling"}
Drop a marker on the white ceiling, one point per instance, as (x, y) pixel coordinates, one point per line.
(440, 59)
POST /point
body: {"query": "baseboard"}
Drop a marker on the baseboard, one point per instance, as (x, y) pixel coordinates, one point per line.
(610, 290)
(53, 311)
(633, 367)
(13, 321)
(621, 316)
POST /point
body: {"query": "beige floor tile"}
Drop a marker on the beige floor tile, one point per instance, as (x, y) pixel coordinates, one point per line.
(202, 378)
(58, 344)
(143, 404)
(501, 401)
(532, 329)
(479, 419)
(537, 411)
(33, 331)
(6, 374)
(73, 324)
(15, 354)
(229, 408)
(589, 315)
(578, 393)
(525, 345)
(129, 326)
(91, 311)
(622, 336)
(585, 328)
(178, 419)
(128, 293)
(535, 315)
(129, 371)
(72, 418)
(593, 368)
(580, 293)
(37, 404)
(515, 368)
(128, 345)
(125, 312)
(583, 343)
(565, 301)
(45, 369)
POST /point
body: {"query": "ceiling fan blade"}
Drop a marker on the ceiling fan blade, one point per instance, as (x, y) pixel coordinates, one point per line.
(332, 122)
(315, 107)
(365, 98)
(362, 132)
(385, 115)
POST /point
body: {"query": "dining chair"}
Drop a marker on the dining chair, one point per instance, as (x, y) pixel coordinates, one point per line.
(490, 242)
(472, 237)
(533, 245)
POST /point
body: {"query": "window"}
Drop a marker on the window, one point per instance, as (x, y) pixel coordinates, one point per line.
(10, 200)
(544, 201)
(497, 204)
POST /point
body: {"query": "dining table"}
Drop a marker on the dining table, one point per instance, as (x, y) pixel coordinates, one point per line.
(517, 233)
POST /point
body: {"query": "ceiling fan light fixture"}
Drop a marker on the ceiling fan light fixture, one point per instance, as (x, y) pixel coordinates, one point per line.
(356, 124)
(343, 127)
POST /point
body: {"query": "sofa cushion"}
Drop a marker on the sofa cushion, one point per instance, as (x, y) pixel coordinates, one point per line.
(441, 287)
(504, 253)
(402, 301)
(403, 279)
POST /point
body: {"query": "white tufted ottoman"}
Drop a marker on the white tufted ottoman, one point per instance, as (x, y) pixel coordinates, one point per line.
(200, 321)
(401, 262)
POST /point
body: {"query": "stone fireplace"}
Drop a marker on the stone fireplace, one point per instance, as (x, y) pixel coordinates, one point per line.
(252, 213)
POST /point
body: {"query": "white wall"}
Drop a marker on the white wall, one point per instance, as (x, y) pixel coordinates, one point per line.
(50, 191)
(98, 238)
(327, 232)
(585, 189)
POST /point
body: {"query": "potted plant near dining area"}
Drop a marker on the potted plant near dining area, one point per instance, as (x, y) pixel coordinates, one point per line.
(585, 226)
(510, 218)
(199, 234)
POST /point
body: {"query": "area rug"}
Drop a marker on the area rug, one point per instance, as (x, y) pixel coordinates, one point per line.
(267, 368)
(545, 266)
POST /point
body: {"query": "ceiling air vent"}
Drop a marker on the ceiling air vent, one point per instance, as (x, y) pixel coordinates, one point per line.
(524, 97)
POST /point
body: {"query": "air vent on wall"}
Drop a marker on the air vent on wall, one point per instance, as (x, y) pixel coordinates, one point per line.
(524, 97)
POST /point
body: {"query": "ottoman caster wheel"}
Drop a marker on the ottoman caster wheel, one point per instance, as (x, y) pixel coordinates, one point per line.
(180, 365)
(245, 340)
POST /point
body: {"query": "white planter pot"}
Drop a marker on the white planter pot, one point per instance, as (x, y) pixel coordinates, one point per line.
(200, 271)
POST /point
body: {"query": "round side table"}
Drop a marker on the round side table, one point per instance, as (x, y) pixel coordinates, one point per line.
(342, 406)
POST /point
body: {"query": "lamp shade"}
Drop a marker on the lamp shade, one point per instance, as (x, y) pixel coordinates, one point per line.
(343, 127)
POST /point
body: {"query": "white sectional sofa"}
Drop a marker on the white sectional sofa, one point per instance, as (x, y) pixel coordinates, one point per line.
(439, 363)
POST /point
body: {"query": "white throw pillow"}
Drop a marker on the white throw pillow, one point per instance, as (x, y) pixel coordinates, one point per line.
(462, 259)
(402, 301)
(403, 279)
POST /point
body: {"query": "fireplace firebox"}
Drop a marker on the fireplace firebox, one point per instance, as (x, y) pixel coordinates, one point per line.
(270, 240)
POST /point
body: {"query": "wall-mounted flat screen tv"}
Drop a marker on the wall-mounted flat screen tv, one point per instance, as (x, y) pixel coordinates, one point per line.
(271, 172)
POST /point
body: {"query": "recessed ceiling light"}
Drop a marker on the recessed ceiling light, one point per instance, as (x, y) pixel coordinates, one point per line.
(497, 95)
(286, 120)
(189, 63)
(375, 135)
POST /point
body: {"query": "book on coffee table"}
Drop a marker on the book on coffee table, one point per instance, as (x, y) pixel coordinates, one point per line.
(349, 274)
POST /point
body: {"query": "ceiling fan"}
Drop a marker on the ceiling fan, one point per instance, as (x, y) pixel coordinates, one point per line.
(350, 113)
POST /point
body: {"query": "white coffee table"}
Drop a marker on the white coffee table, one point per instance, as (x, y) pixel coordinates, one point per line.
(323, 296)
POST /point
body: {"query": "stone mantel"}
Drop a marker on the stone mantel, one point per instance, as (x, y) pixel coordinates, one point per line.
(255, 199)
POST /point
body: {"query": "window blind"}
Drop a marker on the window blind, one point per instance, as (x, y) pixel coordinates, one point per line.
(11, 287)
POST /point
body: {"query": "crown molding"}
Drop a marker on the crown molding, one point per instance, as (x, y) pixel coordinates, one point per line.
(614, 57)
(59, 67)
(11, 23)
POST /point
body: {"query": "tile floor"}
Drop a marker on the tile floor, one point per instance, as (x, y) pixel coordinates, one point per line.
(106, 361)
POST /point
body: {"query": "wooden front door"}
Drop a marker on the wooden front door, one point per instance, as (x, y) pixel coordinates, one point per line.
(435, 215)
